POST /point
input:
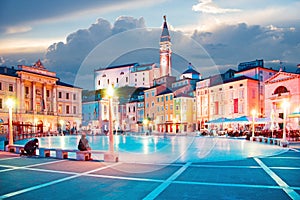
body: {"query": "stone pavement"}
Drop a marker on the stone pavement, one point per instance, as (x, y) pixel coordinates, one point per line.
(274, 177)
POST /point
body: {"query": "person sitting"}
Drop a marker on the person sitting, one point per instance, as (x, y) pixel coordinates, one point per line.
(83, 144)
(30, 147)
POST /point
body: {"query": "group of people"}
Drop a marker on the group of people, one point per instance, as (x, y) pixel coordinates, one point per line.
(31, 146)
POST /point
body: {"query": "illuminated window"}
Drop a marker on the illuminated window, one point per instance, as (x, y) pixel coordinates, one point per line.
(59, 109)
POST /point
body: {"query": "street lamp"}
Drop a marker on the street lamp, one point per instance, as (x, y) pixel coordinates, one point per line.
(10, 104)
(253, 112)
(111, 156)
(145, 123)
(285, 105)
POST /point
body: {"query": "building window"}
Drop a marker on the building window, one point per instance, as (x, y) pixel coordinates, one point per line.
(152, 103)
(67, 95)
(26, 106)
(157, 99)
(171, 107)
(67, 109)
(107, 81)
(59, 109)
(1, 106)
(98, 82)
(241, 95)
(253, 93)
(74, 109)
(166, 107)
(235, 105)
(153, 93)
(0, 86)
(167, 98)
(74, 96)
(133, 108)
(126, 79)
(26, 90)
(11, 88)
(117, 80)
(59, 95)
(47, 93)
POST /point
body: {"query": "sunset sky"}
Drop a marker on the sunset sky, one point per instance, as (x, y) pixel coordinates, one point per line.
(63, 33)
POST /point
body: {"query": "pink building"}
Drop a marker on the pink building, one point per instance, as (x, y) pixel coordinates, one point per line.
(283, 87)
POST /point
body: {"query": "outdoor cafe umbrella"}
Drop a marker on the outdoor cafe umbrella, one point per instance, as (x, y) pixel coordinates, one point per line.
(219, 120)
(242, 119)
(294, 115)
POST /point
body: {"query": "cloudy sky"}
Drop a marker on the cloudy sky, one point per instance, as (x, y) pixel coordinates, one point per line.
(75, 37)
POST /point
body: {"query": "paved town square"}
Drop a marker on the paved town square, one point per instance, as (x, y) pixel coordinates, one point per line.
(271, 177)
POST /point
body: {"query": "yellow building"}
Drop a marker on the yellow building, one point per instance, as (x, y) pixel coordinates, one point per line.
(42, 102)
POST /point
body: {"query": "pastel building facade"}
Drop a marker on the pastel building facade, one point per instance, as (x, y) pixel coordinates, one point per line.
(283, 89)
(42, 102)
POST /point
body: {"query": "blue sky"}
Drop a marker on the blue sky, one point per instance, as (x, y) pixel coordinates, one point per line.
(62, 33)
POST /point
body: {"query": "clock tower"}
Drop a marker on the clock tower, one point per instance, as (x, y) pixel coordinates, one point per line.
(165, 51)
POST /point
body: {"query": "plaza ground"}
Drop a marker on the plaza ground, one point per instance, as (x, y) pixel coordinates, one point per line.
(272, 177)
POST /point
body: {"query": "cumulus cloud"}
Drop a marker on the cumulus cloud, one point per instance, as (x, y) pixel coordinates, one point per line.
(231, 44)
(207, 6)
(69, 55)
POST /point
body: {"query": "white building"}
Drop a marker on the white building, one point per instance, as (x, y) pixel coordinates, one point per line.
(133, 75)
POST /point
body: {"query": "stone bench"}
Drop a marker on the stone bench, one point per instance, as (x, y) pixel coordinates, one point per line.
(15, 148)
(63, 153)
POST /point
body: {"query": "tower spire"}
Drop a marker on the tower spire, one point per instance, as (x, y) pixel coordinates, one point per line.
(165, 50)
(165, 35)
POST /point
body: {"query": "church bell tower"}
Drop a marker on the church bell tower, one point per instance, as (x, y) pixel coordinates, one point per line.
(165, 50)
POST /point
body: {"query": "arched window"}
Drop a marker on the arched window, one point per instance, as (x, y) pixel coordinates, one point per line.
(122, 73)
(280, 89)
(103, 75)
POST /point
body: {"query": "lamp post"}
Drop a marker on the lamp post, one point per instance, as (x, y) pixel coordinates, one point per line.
(111, 156)
(145, 123)
(285, 105)
(253, 112)
(10, 104)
